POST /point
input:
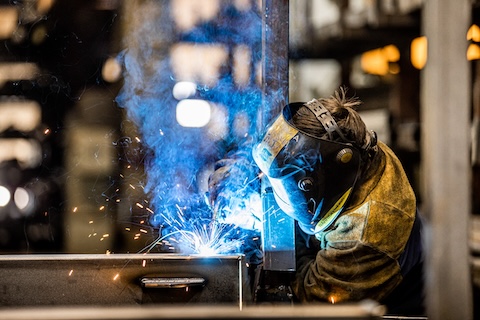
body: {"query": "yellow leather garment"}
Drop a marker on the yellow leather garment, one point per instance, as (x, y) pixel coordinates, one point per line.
(357, 256)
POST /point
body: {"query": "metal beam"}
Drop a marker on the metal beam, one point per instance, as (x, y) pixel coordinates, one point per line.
(445, 112)
(274, 57)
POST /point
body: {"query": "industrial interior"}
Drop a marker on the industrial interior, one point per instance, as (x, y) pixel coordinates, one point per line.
(114, 112)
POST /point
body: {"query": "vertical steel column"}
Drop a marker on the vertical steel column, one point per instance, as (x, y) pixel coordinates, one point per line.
(445, 113)
(278, 237)
(275, 57)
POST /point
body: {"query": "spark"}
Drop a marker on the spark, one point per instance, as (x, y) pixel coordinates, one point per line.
(70, 273)
(116, 277)
(203, 240)
(144, 263)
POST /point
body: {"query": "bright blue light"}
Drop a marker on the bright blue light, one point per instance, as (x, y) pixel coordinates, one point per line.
(156, 100)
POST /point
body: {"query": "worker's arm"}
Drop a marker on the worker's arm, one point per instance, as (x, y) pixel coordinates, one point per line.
(344, 268)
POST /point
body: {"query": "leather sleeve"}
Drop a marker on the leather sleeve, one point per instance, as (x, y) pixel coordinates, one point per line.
(352, 274)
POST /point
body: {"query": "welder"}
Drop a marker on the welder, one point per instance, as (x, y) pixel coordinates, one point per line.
(358, 228)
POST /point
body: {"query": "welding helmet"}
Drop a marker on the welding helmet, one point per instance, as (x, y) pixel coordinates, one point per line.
(311, 177)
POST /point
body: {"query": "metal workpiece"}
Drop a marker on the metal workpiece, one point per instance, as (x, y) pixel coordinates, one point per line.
(122, 279)
(278, 236)
(361, 310)
(278, 227)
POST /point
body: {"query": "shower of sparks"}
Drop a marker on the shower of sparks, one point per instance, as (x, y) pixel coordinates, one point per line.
(186, 229)
(206, 239)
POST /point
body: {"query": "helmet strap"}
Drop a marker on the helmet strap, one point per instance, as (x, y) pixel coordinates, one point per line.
(325, 118)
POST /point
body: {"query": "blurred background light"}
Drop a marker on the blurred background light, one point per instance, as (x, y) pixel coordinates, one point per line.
(391, 53)
(27, 152)
(418, 52)
(473, 51)
(4, 196)
(38, 34)
(242, 57)
(14, 71)
(18, 114)
(380, 61)
(198, 62)
(24, 200)
(193, 113)
(184, 90)
(43, 6)
(111, 70)
(188, 13)
(473, 33)
(8, 21)
(218, 125)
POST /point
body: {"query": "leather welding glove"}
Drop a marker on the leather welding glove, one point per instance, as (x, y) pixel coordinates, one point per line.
(233, 192)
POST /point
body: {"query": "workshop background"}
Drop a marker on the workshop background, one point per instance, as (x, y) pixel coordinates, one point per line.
(101, 150)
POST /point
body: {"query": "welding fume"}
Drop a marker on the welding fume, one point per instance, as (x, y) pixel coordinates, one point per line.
(356, 230)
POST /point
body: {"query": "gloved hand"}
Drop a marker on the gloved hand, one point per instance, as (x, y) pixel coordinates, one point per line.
(234, 192)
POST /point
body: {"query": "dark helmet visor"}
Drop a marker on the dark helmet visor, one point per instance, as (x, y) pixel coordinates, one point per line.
(311, 177)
